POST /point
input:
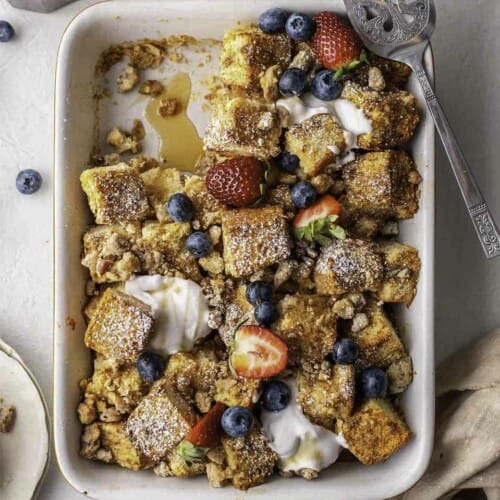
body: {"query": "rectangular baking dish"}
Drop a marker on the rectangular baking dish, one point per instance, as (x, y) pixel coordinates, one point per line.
(92, 31)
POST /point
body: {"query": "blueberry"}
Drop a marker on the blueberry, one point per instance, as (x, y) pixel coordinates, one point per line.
(345, 352)
(266, 313)
(275, 396)
(258, 291)
(373, 382)
(324, 86)
(303, 194)
(180, 208)
(289, 162)
(237, 421)
(300, 27)
(199, 244)
(6, 31)
(273, 20)
(293, 82)
(150, 366)
(28, 181)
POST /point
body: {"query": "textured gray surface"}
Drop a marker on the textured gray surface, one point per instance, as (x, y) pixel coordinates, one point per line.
(467, 51)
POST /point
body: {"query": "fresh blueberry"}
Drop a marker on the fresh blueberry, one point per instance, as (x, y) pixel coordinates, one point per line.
(300, 27)
(237, 421)
(150, 366)
(303, 194)
(345, 352)
(6, 31)
(180, 208)
(28, 181)
(258, 291)
(273, 20)
(289, 162)
(199, 244)
(324, 86)
(373, 382)
(292, 82)
(275, 396)
(266, 313)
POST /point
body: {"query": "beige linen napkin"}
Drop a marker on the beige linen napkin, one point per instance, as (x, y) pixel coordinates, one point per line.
(467, 442)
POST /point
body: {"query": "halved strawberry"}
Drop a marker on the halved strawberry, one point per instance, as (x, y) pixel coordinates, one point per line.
(257, 353)
(326, 205)
(207, 432)
(239, 181)
(335, 42)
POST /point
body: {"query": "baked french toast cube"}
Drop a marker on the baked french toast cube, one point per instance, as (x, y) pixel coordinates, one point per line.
(307, 325)
(349, 265)
(317, 141)
(208, 210)
(396, 74)
(111, 252)
(247, 52)
(382, 184)
(374, 431)
(253, 239)
(243, 126)
(248, 462)
(165, 249)
(160, 421)
(120, 327)
(328, 395)
(401, 272)
(393, 114)
(379, 344)
(115, 194)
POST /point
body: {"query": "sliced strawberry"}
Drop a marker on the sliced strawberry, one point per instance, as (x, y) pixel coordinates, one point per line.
(207, 432)
(258, 353)
(238, 181)
(325, 206)
(335, 42)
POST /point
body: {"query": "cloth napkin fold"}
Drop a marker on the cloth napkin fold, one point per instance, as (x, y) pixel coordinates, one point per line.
(467, 441)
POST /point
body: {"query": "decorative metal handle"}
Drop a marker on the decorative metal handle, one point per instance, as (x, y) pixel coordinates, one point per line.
(482, 219)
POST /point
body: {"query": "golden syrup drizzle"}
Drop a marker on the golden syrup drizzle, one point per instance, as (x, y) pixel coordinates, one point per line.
(180, 144)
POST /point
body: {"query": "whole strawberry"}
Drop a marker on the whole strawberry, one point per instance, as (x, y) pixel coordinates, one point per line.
(238, 182)
(335, 42)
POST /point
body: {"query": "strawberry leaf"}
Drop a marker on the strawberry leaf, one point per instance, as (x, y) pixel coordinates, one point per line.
(320, 230)
(338, 232)
(190, 453)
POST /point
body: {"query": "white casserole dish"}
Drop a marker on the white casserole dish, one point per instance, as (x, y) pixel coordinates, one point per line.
(87, 36)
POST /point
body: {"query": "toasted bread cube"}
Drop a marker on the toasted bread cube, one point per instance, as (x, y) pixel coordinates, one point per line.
(108, 442)
(120, 326)
(348, 265)
(207, 209)
(115, 194)
(175, 465)
(160, 421)
(317, 141)
(248, 52)
(401, 271)
(161, 184)
(254, 238)
(393, 114)
(112, 253)
(395, 73)
(382, 184)
(307, 325)
(165, 250)
(379, 344)
(249, 461)
(233, 390)
(240, 126)
(375, 431)
(327, 395)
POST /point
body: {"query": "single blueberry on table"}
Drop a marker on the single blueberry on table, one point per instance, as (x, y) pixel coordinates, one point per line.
(266, 313)
(289, 162)
(273, 20)
(28, 181)
(275, 396)
(180, 208)
(345, 352)
(258, 291)
(150, 366)
(373, 383)
(300, 27)
(6, 31)
(199, 244)
(303, 194)
(237, 421)
(292, 82)
(325, 87)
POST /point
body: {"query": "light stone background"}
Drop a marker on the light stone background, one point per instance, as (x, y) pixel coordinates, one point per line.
(467, 52)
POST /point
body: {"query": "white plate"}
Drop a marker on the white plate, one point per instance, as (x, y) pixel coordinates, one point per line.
(24, 452)
(87, 36)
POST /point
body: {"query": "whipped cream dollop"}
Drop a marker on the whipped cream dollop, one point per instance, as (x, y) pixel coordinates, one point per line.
(179, 308)
(299, 443)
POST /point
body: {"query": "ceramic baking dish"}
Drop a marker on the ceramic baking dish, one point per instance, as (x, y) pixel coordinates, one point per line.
(87, 36)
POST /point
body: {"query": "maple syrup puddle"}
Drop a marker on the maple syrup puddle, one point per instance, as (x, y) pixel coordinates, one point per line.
(180, 144)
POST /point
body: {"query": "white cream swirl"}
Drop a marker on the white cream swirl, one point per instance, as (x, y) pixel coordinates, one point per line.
(179, 307)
